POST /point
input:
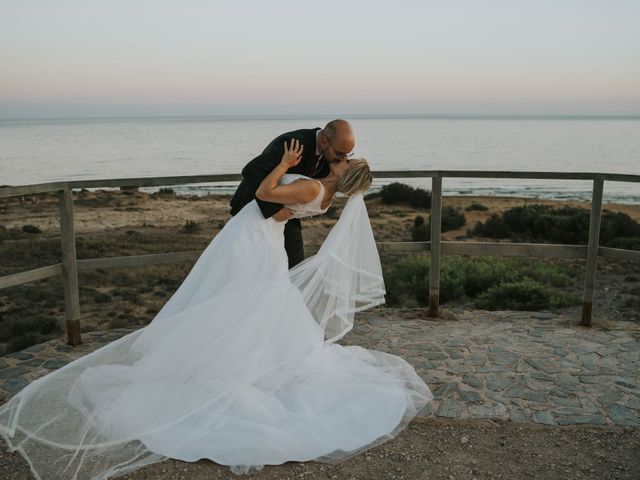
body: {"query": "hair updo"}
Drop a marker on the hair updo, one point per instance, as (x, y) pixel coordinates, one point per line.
(357, 178)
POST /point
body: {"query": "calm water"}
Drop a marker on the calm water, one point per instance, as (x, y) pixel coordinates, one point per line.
(36, 151)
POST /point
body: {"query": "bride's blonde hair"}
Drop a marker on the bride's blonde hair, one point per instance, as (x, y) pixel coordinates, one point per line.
(356, 179)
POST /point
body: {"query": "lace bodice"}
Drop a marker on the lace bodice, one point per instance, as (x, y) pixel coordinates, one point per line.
(314, 207)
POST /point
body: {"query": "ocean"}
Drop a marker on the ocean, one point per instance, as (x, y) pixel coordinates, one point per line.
(37, 151)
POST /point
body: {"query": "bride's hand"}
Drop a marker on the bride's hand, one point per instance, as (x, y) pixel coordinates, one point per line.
(292, 153)
(283, 214)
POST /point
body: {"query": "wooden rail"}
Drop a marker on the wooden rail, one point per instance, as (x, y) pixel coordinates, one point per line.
(70, 265)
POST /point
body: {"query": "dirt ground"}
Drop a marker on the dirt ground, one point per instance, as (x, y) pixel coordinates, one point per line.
(435, 449)
(100, 211)
(430, 448)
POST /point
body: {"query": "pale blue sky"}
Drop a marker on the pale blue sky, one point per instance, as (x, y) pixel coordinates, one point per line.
(115, 57)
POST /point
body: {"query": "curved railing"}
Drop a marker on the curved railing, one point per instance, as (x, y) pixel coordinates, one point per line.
(70, 265)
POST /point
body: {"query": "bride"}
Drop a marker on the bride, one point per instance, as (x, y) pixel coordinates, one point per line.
(241, 365)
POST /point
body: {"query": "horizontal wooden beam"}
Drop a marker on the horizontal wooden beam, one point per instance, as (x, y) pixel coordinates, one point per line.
(32, 189)
(614, 177)
(619, 253)
(137, 260)
(448, 248)
(154, 181)
(481, 248)
(403, 247)
(30, 275)
(12, 191)
(514, 249)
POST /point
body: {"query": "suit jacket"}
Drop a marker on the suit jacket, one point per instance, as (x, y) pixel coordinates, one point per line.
(257, 169)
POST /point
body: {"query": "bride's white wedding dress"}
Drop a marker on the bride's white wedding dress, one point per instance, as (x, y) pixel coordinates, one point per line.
(240, 366)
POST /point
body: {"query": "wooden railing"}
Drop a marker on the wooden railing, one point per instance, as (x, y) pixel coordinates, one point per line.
(70, 265)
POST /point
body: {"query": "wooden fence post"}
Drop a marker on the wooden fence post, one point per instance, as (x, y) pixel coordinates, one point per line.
(435, 221)
(592, 252)
(69, 267)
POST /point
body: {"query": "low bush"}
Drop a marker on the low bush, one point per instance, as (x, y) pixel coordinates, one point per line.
(627, 243)
(421, 233)
(100, 297)
(400, 193)
(31, 229)
(452, 219)
(21, 342)
(493, 227)
(16, 327)
(406, 281)
(568, 225)
(476, 207)
(525, 294)
(190, 227)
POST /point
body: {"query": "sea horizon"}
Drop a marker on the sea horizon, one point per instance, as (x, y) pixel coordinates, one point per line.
(43, 150)
(346, 116)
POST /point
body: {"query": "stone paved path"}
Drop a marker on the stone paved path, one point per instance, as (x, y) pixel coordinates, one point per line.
(518, 366)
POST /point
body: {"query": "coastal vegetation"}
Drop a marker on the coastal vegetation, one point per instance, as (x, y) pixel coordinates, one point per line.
(401, 194)
(567, 225)
(451, 219)
(487, 282)
(129, 222)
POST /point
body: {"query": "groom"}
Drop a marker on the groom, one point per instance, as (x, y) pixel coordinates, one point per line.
(332, 143)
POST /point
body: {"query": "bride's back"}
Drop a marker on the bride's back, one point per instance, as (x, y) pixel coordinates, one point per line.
(307, 209)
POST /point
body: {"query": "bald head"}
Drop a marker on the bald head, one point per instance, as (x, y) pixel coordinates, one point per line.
(340, 134)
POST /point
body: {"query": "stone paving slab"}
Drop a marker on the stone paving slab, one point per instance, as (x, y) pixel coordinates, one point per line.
(517, 366)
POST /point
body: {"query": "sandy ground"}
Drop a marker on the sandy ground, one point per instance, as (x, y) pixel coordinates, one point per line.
(109, 210)
(438, 449)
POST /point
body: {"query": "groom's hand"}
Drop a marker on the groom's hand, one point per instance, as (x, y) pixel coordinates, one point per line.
(283, 214)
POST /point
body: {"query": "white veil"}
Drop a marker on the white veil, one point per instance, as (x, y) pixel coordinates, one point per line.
(107, 412)
(345, 275)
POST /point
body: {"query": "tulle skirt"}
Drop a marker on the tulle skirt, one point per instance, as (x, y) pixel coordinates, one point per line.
(234, 368)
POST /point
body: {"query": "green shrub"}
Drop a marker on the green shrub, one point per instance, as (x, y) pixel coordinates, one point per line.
(452, 219)
(628, 243)
(406, 280)
(421, 233)
(21, 342)
(399, 193)
(31, 229)
(568, 225)
(16, 327)
(100, 297)
(618, 225)
(476, 207)
(525, 294)
(190, 227)
(493, 227)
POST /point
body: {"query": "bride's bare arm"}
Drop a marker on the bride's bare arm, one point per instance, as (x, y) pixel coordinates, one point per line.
(300, 191)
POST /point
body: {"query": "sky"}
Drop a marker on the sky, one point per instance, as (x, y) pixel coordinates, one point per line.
(76, 58)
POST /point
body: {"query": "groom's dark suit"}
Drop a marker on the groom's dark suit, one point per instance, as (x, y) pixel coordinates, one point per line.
(257, 169)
